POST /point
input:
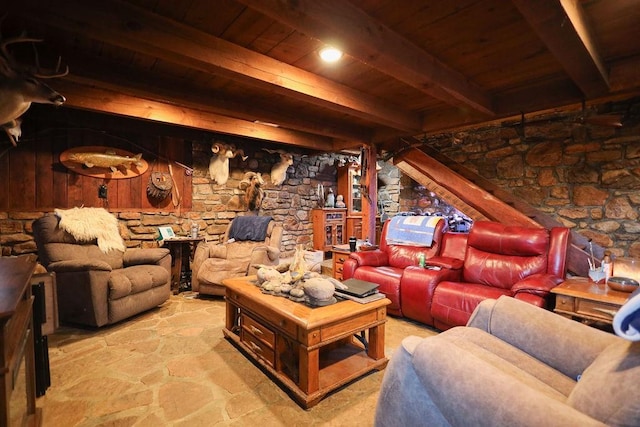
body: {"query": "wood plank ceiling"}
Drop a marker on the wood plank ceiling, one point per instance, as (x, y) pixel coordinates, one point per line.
(410, 67)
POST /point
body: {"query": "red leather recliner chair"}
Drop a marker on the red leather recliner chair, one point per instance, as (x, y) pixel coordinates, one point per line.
(492, 260)
(395, 269)
(521, 262)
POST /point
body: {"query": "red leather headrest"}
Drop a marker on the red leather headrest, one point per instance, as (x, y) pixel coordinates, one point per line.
(503, 239)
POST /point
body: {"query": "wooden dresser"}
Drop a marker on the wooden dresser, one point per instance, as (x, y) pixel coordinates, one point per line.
(16, 338)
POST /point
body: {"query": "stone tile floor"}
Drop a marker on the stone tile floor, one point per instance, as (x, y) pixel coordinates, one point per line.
(172, 366)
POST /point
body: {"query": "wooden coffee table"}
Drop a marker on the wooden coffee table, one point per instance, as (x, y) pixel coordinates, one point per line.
(309, 351)
(578, 297)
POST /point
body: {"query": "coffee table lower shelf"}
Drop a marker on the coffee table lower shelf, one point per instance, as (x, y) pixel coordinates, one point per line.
(337, 368)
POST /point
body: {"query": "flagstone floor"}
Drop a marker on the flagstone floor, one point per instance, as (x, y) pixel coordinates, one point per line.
(172, 367)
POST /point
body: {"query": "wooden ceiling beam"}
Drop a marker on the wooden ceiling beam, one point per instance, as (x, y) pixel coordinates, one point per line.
(96, 99)
(371, 42)
(93, 72)
(563, 28)
(121, 24)
(530, 99)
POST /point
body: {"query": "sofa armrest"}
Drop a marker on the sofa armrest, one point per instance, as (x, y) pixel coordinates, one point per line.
(78, 265)
(260, 254)
(482, 394)
(375, 258)
(140, 256)
(566, 345)
(537, 284)
(445, 262)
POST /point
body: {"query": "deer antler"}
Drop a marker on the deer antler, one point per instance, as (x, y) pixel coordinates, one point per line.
(50, 74)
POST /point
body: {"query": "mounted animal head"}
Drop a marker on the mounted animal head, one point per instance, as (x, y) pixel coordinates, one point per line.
(279, 170)
(219, 163)
(253, 194)
(20, 85)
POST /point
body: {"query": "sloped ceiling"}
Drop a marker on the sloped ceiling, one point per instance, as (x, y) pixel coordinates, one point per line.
(410, 67)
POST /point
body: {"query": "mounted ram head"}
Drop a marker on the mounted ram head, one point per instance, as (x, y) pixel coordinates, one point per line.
(219, 163)
(20, 85)
(279, 170)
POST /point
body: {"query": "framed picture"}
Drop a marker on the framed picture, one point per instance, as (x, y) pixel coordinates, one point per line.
(166, 233)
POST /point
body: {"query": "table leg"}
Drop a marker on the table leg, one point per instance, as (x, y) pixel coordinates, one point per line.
(176, 269)
(376, 342)
(309, 369)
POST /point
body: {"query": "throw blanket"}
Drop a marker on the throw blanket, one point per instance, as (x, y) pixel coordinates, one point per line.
(249, 228)
(626, 322)
(412, 230)
(87, 224)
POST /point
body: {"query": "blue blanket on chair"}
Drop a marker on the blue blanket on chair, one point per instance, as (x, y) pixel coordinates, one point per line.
(412, 230)
(249, 228)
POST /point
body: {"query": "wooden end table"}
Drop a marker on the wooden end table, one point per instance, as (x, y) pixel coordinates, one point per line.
(182, 249)
(309, 351)
(577, 297)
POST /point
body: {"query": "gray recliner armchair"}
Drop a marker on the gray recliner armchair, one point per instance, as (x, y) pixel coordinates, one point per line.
(514, 364)
(95, 288)
(248, 240)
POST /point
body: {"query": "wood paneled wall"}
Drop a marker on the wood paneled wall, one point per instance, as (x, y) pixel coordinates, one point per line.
(32, 177)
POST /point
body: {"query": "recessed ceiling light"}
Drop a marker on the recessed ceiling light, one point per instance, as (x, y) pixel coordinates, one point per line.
(330, 54)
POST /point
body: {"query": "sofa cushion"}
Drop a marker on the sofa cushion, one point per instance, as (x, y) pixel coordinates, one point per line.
(500, 256)
(214, 270)
(499, 270)
(607, 388)
(402, 256)
(135, 279)
(389, 280)
(453, 302)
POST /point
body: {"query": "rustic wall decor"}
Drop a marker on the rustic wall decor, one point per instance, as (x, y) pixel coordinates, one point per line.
(104, 162)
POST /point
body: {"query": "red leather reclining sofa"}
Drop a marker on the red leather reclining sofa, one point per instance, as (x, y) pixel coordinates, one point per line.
(463, 269)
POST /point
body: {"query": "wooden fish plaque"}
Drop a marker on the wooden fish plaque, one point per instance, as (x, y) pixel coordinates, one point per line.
(104, 162)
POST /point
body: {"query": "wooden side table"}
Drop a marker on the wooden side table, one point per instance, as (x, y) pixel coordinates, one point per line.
(340, 253)
(182, 249)
(577, 297)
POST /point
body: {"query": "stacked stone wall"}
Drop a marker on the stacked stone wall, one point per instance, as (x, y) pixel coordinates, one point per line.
(585, 175)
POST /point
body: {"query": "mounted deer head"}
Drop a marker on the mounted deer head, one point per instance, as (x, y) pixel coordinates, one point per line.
(20, 85)
(219, 163)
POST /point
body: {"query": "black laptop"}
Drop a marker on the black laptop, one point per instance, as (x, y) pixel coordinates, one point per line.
(358, 288)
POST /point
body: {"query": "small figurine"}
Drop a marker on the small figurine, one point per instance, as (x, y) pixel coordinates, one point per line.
(331, 199)
(340, 201)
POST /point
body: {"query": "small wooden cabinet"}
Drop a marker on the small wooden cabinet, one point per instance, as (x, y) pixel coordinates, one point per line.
(328, 228)
(339, 254)
(349, 187)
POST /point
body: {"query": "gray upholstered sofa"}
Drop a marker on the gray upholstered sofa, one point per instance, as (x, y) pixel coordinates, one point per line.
(514, 364)
(96, 288)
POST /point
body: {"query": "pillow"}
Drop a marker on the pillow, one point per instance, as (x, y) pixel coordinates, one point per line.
(607, 389)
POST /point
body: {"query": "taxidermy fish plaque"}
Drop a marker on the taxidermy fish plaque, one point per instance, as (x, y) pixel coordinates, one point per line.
(104, 162)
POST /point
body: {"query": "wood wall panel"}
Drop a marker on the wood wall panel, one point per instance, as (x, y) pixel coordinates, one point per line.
(33, 179)
(4, 179)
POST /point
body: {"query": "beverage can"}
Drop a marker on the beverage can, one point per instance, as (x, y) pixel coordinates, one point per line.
(421, 260)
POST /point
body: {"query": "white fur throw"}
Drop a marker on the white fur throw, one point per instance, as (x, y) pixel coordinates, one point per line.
(86, 224)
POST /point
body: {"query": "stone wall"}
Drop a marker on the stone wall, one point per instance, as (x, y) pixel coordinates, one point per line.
(213, 206)
(585, 175)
